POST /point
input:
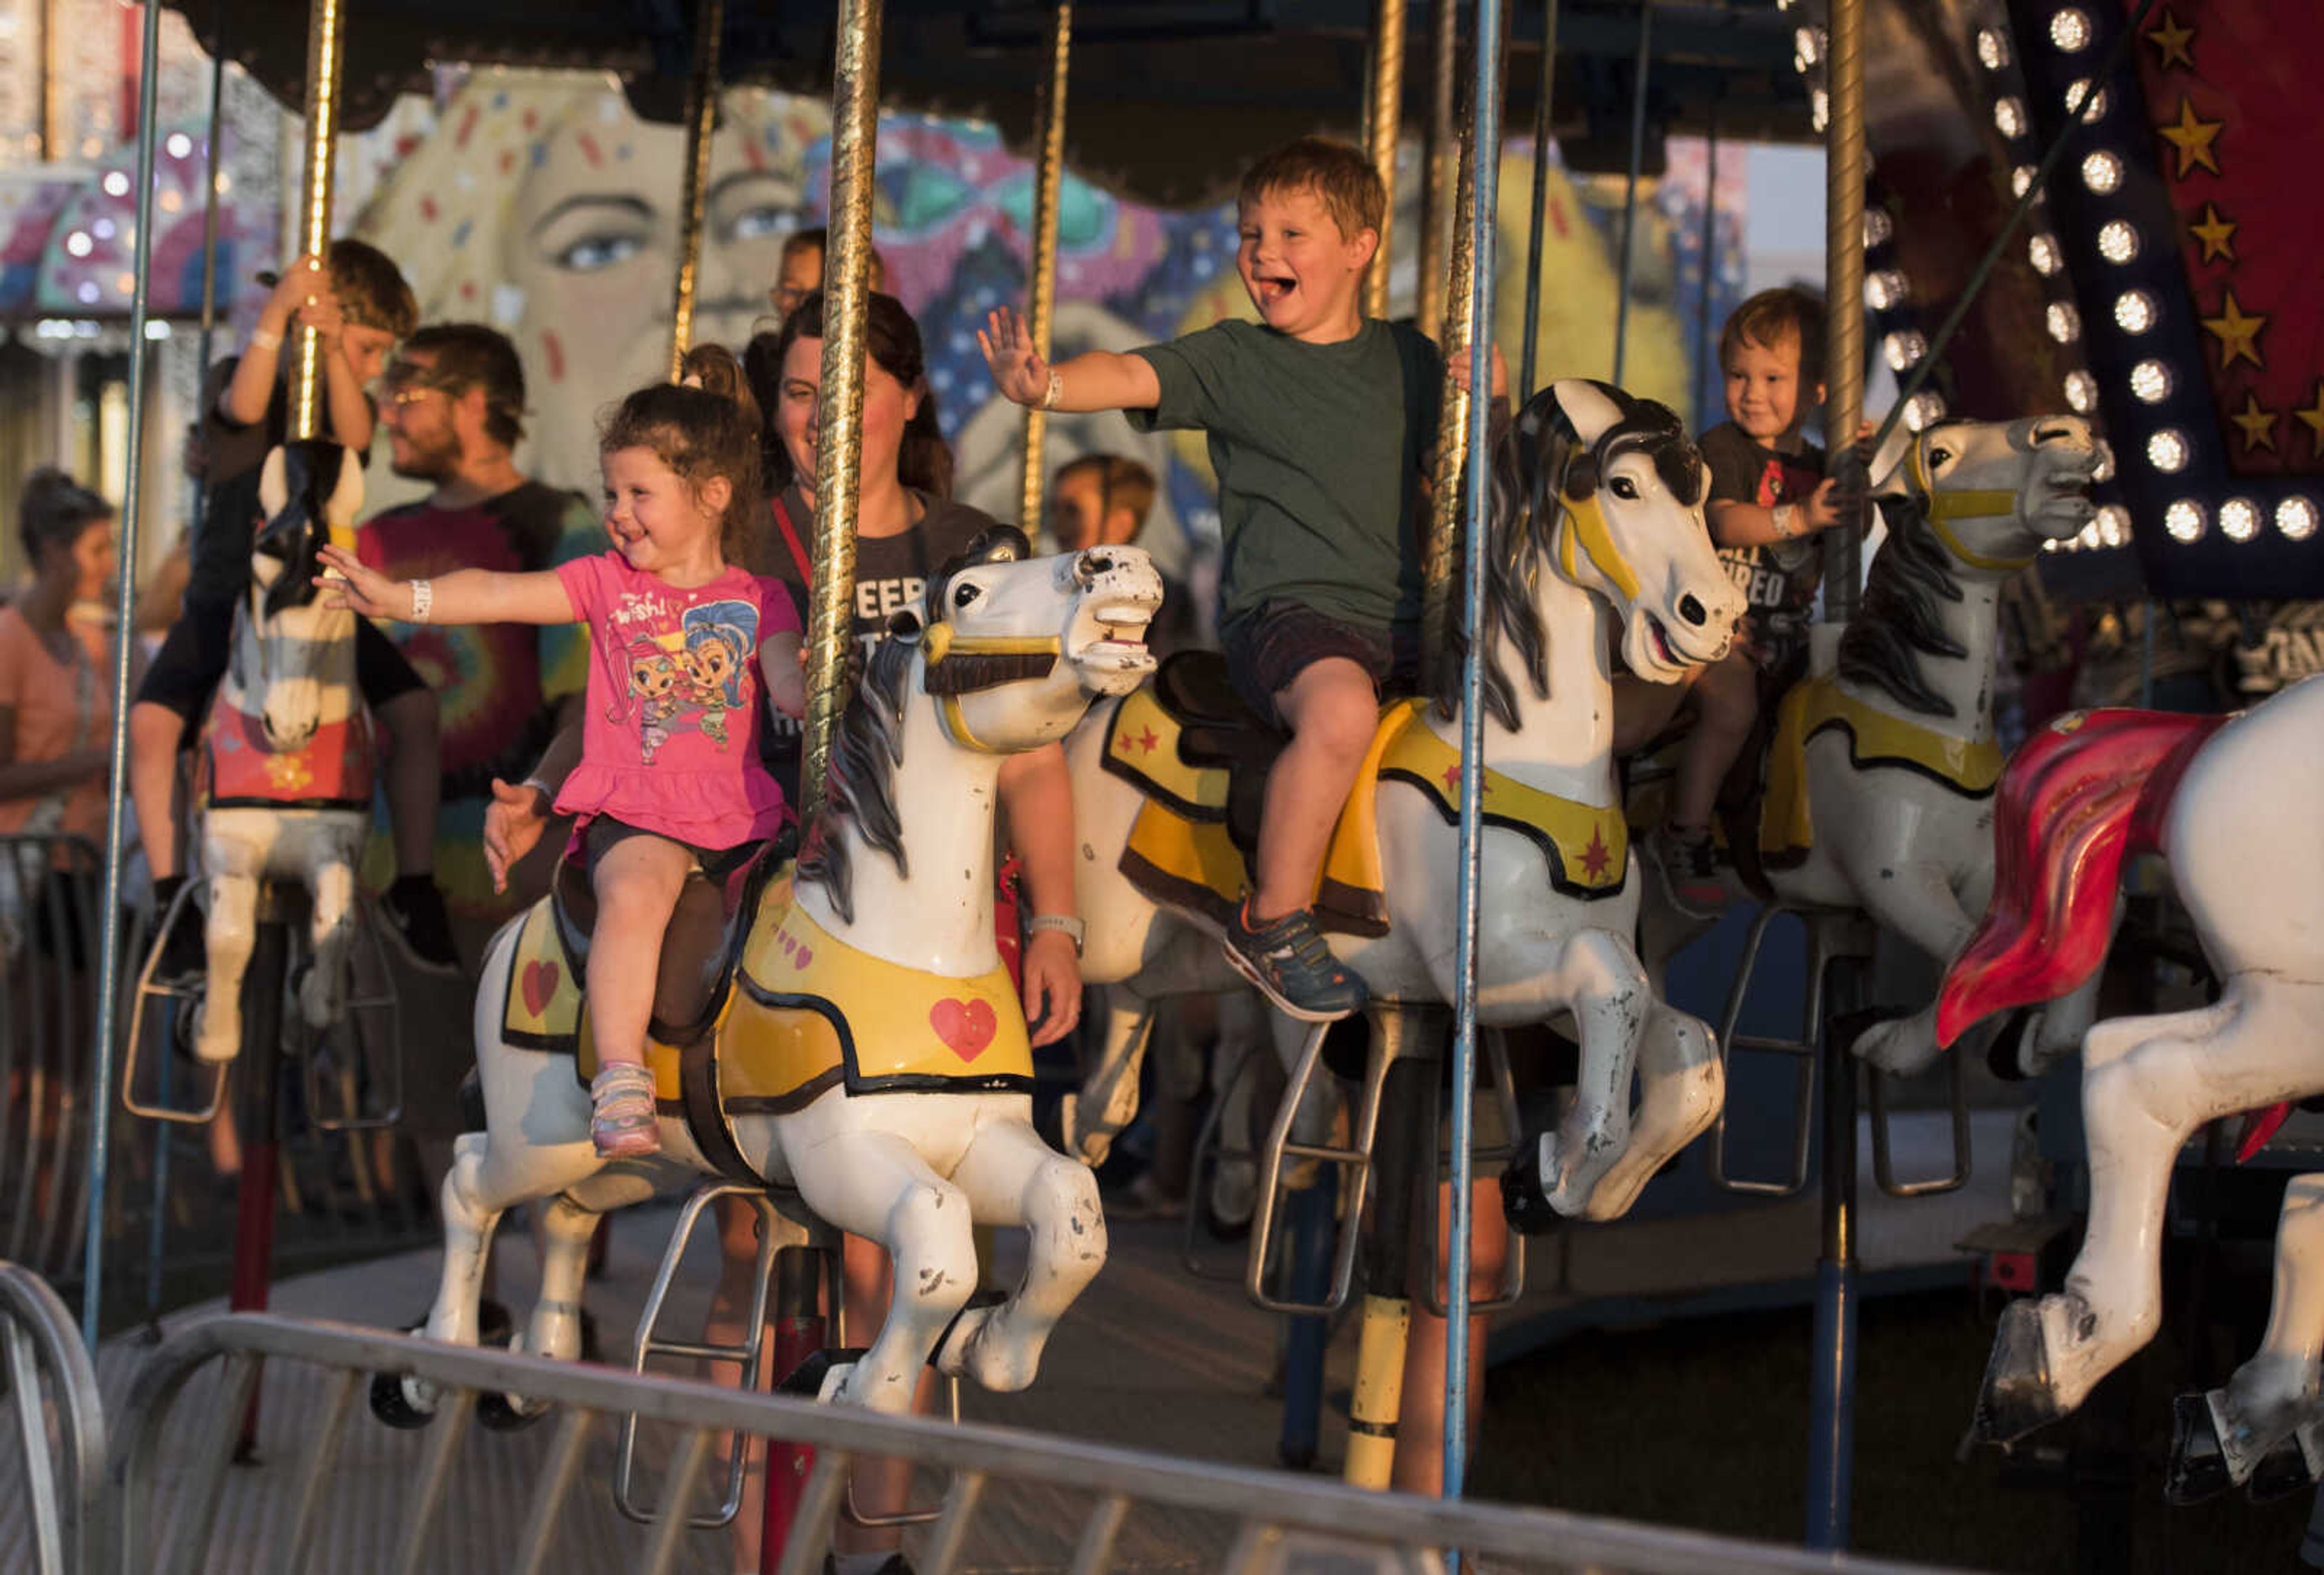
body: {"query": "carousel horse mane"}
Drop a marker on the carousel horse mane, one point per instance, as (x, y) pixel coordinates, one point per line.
(868, 742)
(1537, 467)
(1902, 618)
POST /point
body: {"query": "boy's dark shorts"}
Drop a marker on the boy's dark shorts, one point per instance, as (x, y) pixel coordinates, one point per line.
(1269, 646)
(603, 832)
(185, 671)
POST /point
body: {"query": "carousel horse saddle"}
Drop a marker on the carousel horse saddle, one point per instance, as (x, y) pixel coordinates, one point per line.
(1874, 738)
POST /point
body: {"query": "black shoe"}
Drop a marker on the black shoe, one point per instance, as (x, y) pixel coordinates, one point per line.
(1287, 960)
(184, 953)
(415, 915)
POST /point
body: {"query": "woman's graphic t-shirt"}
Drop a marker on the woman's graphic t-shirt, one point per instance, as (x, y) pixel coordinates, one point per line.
(669, 742)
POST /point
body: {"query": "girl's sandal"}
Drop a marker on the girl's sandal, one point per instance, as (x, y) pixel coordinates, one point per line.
(622, 1121)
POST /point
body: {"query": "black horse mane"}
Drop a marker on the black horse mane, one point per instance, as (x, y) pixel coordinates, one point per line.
(1537, 467)
(1902, 618)
(869, 743)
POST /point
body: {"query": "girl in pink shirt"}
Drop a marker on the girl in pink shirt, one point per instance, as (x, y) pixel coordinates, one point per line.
(669, 777)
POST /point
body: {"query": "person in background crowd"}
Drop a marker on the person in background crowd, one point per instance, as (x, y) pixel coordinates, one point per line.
(800, 274)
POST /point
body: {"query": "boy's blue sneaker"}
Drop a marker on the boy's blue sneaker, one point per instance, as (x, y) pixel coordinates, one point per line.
(1292, 966)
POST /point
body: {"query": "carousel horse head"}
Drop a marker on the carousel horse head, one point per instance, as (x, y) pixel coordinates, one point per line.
(1605, 492)
(1989, 493)
(289, 650)
(1015, 647)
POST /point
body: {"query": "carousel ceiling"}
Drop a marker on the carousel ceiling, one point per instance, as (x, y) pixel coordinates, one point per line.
(1253, 72)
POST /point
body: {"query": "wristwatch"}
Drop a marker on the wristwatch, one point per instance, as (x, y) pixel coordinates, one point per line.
(1065, 924)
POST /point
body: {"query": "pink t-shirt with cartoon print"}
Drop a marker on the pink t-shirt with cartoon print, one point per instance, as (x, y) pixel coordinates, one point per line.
(670, 740)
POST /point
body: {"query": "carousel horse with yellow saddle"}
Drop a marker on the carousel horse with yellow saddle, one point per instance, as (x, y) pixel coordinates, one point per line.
(844, 1030)
(1879, 775)
(1595, 541)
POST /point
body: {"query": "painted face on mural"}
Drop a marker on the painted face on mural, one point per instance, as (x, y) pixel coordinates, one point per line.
(887, 406)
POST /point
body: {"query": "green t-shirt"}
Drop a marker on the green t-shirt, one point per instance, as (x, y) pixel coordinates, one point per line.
(1317, 449)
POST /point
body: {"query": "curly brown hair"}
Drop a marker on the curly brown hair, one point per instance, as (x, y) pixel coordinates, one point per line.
(705, 428)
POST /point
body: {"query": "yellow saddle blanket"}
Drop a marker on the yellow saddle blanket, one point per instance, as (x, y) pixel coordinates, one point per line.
(1874, 738)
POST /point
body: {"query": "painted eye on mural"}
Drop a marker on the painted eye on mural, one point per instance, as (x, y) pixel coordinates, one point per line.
(752, 205)
(592, 253)
(759, 224)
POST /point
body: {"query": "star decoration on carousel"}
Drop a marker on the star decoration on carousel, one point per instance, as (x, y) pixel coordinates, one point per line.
(1597, 856)
(2173, 43)
(2217, 235)
(2192, 136)
(2314, 416)
(2238, 332)
(2258, 425)
(1452, 781)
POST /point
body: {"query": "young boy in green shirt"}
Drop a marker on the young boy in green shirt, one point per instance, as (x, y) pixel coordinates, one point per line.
(1318, 418)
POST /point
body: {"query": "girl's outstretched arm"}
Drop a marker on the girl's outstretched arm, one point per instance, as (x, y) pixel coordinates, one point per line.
(780, 665)
(462, 596)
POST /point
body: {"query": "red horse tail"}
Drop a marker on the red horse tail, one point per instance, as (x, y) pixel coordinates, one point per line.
(2082, 792)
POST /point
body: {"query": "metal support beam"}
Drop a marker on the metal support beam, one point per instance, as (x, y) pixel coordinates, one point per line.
(1442, 155)
(1645, 65)
(1383, 131)
(1542, 105)
(701, 126)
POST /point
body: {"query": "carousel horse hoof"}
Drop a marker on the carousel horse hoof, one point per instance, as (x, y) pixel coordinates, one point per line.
(1850, 1028)
(509, 1413)
(820, 1376)
(1524, 1202)
(2199, 1465)
(390, 1401)
(2004, 1057)
(2017, 1395)
(949, 1355)
(2281, 1473)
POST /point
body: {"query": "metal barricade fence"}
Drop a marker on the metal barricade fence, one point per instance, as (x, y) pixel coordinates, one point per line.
(51, 1433)
(333, 1490)
(170, 1208)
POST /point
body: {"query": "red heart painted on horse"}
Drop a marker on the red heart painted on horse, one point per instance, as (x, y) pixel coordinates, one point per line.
(539, 984)
(966, 1026)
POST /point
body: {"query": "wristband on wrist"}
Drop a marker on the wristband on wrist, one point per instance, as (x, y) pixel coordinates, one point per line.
(265, 339)
(1056, 391)
(423, 600)
(1787, 520)
(540, 786)
(1065, 924)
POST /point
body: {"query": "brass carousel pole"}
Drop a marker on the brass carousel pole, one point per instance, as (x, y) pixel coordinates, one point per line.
(133, 501)
(1383, 129)
(1645, 61)
(1042, 302)
(1442, 156)
(839, 412)
(325, 21)
(1542, 103)
(1441, 558)
(701, 122)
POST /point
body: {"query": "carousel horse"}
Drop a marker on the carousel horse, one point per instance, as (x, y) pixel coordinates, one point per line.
(1596, 541)
(285, 764)
(850, 1033)
(2208, 793)
(1880, 774)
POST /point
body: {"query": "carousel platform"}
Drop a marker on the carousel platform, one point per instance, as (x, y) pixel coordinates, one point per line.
(1151, 1357)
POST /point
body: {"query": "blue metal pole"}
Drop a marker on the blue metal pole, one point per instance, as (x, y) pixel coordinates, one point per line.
(1306, 1335)
(1486, 139)
(124, 623)
(1630, 192)
(1831, 1385)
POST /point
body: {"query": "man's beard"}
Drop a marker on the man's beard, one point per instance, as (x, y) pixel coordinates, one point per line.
(435, 462)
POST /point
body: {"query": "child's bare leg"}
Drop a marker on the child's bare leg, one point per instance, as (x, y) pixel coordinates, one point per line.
(1420, 1425)
(1642, 709)
(880, 1486)
(1332, 710)
(154, 733)
(1727, 697)
(637, 882)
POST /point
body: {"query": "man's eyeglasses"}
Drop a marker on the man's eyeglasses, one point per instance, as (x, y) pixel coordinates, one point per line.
(406, 382)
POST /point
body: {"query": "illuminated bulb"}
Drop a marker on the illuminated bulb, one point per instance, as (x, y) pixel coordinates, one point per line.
(2102, 172)
(2113, 526)
(116, 184)
(2064, 322)
(78, 243)
(2009, 116)
(2296, 517)
(2134, 311)
(1922, 410)
(2021, 180)
(2081, 391)
(2042, 251)
(2238, 518)
(2069, 30)
(2117, 241)
(1807, 45)
(2103, 471)
(2149, 383)
(179, 145)
(2093, 105)
(1884, 290)
(1819, 110)
(1903, 348)
(2087, 539)
(1878, 226)
(2184, 521)
(2166, 451)
(1992, 49)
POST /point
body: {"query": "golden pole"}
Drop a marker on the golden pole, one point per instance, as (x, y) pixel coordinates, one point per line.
(326, 21)
(1443, 160)
(1041, 308)
(1441, 563)
(1383, 129)
(839, 412)
(701, 122)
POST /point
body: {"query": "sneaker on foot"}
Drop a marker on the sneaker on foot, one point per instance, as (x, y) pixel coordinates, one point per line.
(415, 915)
(184, 953)
(622, 1121)
(1689, 870)
(1287, 960)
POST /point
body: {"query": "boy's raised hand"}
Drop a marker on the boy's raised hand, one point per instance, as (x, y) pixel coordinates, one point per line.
(1018, 370)
(358, 589)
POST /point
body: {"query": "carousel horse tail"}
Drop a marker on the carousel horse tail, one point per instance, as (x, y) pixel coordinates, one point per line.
(2083, 792)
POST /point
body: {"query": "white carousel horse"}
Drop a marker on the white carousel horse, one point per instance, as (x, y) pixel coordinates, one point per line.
(2209, 793)
(1596, 540)
(286, 763)
(1891, 813)
(871, 1052)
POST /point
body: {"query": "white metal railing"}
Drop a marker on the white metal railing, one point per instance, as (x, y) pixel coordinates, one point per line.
(53, 1459)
